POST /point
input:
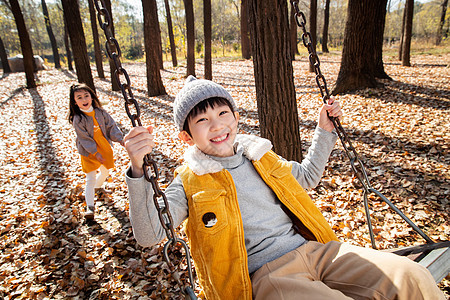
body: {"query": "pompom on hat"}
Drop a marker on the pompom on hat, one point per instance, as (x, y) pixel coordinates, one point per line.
(195, 91)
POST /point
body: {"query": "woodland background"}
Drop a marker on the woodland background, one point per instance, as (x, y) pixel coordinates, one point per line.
(48, 251)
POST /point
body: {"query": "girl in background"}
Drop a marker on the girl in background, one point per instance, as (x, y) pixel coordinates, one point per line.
(95, 130)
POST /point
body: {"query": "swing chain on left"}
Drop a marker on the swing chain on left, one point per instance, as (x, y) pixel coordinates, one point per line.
(165, 217)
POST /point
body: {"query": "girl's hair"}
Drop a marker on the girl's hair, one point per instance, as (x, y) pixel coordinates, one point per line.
(73, 107)
(203, 106)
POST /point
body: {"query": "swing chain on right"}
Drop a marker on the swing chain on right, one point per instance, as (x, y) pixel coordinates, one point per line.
(356, 164)
(165, 217)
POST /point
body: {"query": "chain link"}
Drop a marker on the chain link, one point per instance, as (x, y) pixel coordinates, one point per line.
(150, 167)
(356, 164)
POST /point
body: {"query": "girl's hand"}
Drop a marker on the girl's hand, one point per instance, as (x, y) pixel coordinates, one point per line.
(100, 158)
(138, 142)
(334, 110)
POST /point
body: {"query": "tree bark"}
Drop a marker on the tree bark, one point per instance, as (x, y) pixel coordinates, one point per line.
(4, 58)
(380, 22)
(441, 22)
(97, 50)
(359, 55)
(245, 39)
(155, 86)
(173, 47)
(293, 34)
(25, 44)
(78, 42)
(207, 31)
(190, 32)
(409, 8)
(402, 34)
(275, 92)
(313, 27)
(51, 36)
(67, 45)
(326, 22)
(112, 67)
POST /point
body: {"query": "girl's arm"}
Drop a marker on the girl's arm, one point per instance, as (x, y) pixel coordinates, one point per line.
(84, 139)
(113, 131)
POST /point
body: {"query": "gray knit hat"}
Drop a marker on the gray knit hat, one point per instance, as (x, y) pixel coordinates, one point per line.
(195, 91)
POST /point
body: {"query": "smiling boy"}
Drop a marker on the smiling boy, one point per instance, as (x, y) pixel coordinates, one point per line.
(254, 231)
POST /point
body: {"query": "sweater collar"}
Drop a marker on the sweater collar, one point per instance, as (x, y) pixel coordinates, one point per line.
(254, 148)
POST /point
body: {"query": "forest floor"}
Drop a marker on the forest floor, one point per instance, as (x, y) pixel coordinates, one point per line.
(48, 251)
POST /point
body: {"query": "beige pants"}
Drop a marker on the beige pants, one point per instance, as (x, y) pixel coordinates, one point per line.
(335, 270)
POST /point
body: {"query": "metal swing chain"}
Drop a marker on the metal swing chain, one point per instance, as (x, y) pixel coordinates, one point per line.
(165, 217)
(356, 164)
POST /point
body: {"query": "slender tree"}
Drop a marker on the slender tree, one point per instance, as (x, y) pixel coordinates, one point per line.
(78, 42)
(67, 46)
(4, 58)
(97, 50)
(48, 26)
(207, 31)
(313, 26)
(326, 22)
(293, 34)
(275, 92)
(25, 43)
(245, 40)
(190, 32)
(155, 86)
(402, 35)
(409, 8)
(441, 22)
(173, 46)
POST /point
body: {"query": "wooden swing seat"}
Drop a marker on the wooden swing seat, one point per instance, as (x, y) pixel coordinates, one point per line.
(434, 256)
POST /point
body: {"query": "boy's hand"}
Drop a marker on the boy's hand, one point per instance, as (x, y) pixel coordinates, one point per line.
(138, 142)
(100, 158)
(334, 110)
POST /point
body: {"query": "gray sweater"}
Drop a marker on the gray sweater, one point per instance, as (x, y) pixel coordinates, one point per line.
(268, 230)
(84, 128)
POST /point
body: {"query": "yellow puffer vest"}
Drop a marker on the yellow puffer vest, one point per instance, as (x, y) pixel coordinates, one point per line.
(214, 226)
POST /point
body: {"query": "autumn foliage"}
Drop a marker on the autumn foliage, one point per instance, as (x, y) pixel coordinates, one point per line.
(48, 251)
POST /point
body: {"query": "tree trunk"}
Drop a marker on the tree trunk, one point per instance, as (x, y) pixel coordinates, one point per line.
(380, 22)
(155, 86)
(51, 36)
(67, 45)
(78, 42)
(313, 27)
(326, 22)
(4, 58)
(207, 30)
(293, 34)
(409, 8)
(25, 44)
(112, 67)
(173, 47)
(441, 22)
(190, 32)
(402, 34)
(275, 92)
(359, 54)
(245, 40)
(97, 50)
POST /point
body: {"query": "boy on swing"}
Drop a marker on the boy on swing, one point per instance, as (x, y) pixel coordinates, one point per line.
(253, 230)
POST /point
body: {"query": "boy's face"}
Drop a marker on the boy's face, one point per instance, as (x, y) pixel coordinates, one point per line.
(213, 131)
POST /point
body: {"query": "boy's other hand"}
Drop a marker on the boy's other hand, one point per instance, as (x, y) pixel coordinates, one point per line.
(334, 110)
(100, 158)
(138, 142)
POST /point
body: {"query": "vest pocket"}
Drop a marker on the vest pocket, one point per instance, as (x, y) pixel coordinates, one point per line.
(208, 211)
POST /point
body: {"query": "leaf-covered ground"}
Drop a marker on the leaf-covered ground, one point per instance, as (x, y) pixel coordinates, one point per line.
(48, 251)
